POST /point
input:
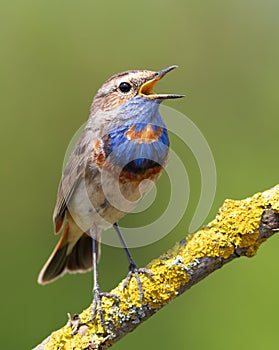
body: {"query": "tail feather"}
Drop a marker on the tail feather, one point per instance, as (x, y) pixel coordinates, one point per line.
(55, 267)
(68, 256)
(80, 259)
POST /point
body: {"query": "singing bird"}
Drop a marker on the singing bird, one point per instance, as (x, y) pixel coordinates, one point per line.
(124, 142)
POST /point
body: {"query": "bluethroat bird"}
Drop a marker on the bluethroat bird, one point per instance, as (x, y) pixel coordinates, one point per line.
(124, 142)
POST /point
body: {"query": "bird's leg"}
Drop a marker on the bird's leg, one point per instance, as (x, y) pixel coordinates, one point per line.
(96, 304)
(133, 269)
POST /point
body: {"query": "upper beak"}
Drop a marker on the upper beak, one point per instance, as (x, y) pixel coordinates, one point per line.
(147, 89)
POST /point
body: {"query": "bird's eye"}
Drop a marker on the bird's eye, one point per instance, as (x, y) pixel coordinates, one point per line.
(125, 87)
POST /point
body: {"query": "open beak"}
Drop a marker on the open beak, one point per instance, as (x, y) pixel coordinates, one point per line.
(147, 89)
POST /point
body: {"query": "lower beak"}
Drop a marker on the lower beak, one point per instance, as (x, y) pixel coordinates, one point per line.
(147, 89)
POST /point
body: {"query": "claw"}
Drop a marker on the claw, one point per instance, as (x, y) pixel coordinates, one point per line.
(134, 270)
(97, 305)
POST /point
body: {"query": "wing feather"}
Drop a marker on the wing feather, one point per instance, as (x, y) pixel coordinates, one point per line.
(73, 173)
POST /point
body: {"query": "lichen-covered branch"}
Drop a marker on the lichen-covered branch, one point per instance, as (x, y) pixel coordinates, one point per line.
(239, 228)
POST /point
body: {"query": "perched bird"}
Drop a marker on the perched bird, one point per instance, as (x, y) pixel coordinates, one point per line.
(124, 142)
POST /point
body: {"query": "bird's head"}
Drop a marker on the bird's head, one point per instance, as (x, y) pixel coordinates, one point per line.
(128, 85)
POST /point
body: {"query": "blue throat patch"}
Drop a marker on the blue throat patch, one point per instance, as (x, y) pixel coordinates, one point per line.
(137, 147)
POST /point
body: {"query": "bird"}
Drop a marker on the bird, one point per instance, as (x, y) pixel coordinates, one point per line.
(124, 142)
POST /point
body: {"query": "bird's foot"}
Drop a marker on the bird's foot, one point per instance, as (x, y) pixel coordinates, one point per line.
(97, 305)
(134, 270)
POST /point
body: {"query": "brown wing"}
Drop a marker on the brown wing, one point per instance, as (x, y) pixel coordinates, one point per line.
(72, 175)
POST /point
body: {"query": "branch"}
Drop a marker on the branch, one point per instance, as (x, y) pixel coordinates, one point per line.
(239, 228)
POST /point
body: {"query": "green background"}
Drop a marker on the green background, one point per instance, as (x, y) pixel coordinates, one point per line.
(54, 56)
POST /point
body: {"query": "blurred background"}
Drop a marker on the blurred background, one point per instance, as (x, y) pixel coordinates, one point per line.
(54, 56)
